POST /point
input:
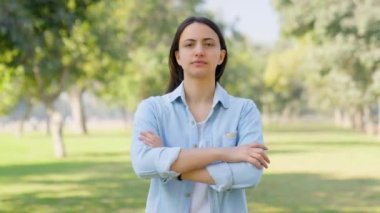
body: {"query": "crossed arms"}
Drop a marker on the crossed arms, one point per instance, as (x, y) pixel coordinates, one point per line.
(222, 168)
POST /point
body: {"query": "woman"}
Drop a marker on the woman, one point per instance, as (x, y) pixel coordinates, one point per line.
(199, 146)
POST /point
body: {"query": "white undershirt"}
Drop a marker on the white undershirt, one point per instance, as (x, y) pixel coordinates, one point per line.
(199, 197)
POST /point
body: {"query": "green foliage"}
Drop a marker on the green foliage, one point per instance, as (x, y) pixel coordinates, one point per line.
(9, 89)
(145, 36)
(243, 73)
(145, 75)
(36, 30)
(345, 41)
(283, 78)
(109, 48)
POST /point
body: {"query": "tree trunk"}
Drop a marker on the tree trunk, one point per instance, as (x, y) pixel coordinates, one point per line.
(125, 117)
(23, 118)
(265, 114)
(285, 114)
(77, 110)
(47, 130)
(56, 127)
(338, 117)
(347, 121)
(369, 126)
(378, 117)
(358, 119)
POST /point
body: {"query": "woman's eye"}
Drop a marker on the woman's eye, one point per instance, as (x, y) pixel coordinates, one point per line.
(209, 44)
(189, 45)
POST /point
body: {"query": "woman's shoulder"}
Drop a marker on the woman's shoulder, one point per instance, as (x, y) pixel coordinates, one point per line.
(246, 107)
(153, 102)
(244, 102)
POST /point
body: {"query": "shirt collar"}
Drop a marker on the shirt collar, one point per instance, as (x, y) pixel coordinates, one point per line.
(220, 95)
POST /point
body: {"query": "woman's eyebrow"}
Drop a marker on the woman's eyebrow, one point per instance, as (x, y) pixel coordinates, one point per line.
(190, 40)
(204, 39)
(207, 39)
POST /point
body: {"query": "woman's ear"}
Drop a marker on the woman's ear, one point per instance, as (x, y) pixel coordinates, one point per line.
(177, 57)
(221, 57)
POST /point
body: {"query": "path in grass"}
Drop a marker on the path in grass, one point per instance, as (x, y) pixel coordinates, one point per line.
(313, 169)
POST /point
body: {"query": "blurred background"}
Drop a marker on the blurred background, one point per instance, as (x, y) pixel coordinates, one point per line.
(72, 73)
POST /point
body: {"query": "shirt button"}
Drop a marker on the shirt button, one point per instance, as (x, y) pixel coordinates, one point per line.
(193, 122)
(195, 146)
(188, 194)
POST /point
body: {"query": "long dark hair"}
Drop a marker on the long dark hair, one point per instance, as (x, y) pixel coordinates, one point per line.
(176, 71)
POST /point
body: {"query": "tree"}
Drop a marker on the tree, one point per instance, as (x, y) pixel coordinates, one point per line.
(76, 45)
(148, 37)
(345, 36)
(243, 75)
(95, 51)
(35, 31)
(9, 94)
(283, 78)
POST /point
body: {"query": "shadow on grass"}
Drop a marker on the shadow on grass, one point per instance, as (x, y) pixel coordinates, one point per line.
(313, 146)
(302, 192)
(302, 128)
(99, 154)
(294, 143)
(298, 151)
(72, 187)
(99, 135)
(112, 187)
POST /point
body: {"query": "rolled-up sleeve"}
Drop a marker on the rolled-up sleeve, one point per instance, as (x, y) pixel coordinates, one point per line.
(222, 175)
(240, 175)
(150, 162)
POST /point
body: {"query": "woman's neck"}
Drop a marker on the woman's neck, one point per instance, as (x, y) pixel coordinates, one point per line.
(199, 92)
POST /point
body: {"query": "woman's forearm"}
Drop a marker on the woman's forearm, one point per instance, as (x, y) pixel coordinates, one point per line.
(195, 159)
(200, 175)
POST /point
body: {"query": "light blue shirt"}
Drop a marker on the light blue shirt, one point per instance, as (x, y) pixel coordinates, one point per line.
(232, 122)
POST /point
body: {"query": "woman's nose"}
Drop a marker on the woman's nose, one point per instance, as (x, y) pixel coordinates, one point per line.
(199, 50)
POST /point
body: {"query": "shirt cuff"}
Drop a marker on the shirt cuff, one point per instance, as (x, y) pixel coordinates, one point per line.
(222, 175)
(166, 158)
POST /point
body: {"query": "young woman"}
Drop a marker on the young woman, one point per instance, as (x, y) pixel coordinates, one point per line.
(200, 146)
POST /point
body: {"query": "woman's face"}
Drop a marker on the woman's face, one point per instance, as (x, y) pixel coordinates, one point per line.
(199, 51)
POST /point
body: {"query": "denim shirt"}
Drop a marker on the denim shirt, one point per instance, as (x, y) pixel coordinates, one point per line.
(231, 122)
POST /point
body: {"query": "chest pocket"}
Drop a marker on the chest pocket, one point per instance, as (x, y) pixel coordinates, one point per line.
(229, 139)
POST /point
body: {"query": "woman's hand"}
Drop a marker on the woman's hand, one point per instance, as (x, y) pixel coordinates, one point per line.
(252, 153)
(150, 139)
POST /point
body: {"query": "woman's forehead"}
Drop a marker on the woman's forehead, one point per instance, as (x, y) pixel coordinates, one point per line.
(198, 31)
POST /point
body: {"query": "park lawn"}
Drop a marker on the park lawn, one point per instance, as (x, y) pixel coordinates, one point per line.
(318, 168)
(314, 168)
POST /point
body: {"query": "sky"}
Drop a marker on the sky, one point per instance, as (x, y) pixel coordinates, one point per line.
(256, 18)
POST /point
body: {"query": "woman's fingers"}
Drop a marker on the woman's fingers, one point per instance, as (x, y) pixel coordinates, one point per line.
(150, 139)
(144, 139)
(258, 155)
(258, 145)
(255, 163)
(264, 156)
(147, 136)
(261, 159)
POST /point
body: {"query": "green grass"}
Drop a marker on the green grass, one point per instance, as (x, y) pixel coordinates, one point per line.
(314, 169)
(319, 169)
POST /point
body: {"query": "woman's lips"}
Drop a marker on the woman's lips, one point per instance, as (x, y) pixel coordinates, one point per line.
(199, 63)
